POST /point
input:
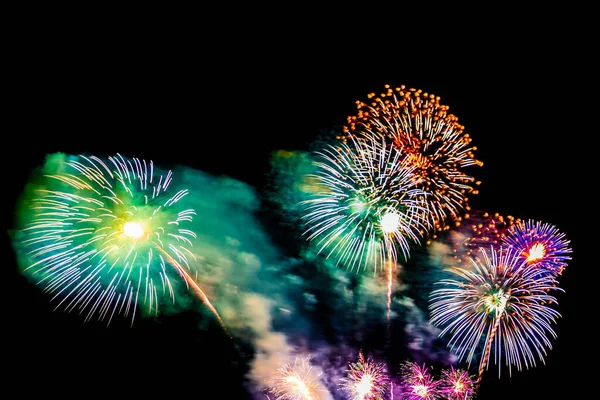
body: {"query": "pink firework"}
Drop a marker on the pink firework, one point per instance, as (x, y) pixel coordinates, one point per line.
(417, 383)
(457, 384)
(366, 380)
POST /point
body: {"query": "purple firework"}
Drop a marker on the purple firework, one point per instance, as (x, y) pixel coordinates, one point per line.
(365, 380)
(417, 383)
(542, 245)
(456, 384)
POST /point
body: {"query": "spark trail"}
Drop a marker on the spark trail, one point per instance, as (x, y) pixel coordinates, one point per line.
(194, 285)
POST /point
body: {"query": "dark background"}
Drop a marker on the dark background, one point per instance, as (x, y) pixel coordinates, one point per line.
(222, 107)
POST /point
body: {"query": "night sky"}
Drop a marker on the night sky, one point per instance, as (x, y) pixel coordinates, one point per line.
(224, 110)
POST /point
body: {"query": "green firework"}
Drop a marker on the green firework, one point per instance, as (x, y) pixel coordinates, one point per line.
(104, 237)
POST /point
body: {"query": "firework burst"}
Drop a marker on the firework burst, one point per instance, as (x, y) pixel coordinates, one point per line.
(417, 382)
(365, 380)
(367, 205)
(456, 384)
(430, 139)
(298, 381)
(105, 236)
(501, 301)
(541, 245)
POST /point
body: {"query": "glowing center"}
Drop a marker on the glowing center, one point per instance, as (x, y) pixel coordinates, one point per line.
(390, 222)
(496, 302)
(458, 387)
(299, 386)
(364, 386)
(536, 252)
(133, 230)
(420, 390)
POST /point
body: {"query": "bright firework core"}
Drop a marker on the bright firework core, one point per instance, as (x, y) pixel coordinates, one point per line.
(536, 252)
(365, 385)
(496, 301)
(390, 222)
(458, 387)
(299, 385)
(133, 230)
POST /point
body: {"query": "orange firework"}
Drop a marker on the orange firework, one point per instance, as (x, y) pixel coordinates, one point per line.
(427, 135)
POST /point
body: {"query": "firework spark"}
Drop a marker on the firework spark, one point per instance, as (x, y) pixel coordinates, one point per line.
(366, 206)
(298, 381)
(432, 141)
(365, 380)
(478, 230)
(541, 245)
(456, 384)
(417, 382)
(106, 236)
(502, 300)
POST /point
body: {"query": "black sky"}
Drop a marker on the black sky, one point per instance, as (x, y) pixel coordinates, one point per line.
(223, 108)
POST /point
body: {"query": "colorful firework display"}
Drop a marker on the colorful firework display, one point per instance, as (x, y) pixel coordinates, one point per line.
(502, 300)
(365, 380)
(105, 236)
